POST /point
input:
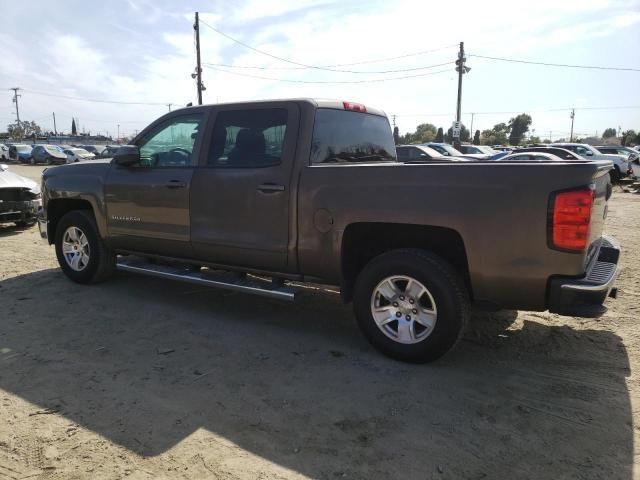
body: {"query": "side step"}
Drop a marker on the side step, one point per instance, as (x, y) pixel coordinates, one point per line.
(209, 278)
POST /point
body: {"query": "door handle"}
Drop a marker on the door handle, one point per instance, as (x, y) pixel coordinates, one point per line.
(270, 188)
(175, 184)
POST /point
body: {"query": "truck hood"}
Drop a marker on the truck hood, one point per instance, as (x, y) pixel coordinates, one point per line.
(12, 180)
(93, 168)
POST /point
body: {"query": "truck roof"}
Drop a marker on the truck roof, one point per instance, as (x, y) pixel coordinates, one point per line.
(316, 102)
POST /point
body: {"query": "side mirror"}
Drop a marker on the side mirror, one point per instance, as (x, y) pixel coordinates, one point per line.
(424, 155)
(589, 153)
(126, 156)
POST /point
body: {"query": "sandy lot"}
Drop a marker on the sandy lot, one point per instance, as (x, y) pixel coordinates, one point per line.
(256, 389)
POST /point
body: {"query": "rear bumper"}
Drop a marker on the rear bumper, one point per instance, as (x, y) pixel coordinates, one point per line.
(584, 297)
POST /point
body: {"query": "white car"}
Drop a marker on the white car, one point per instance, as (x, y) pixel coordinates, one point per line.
(78, 155)
(634, 166)
(481, 152)
(4, 152)
(620, 162)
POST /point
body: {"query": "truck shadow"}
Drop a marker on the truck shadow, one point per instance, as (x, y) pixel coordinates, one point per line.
(146, 363)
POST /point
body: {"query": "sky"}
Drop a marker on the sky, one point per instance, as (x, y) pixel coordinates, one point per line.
(143, 51)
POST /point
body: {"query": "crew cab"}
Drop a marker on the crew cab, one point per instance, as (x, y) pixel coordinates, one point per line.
(303, 190)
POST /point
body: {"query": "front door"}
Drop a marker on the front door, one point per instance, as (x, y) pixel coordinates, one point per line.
(148, 203)
(241, 196)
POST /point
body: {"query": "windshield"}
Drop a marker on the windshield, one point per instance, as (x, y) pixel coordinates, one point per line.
(346, 136)
(486, 149)
(445, 149)
(23, 148)
(80, 151)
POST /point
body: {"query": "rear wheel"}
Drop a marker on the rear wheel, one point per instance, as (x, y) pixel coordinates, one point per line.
(82, 254)
(411, 305)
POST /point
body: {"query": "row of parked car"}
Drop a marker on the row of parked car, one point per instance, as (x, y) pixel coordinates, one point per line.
(52, 154)
(626, 160)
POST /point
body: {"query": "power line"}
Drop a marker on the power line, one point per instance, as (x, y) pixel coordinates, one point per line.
(307, 68)
(342, 64)
(370, 80)
(119, 102)
(593, 67)
(328, 68)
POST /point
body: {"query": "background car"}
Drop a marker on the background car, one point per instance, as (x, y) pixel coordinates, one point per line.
(95, 149)
(558, 152)
(19, 198)
(4, 152)
(481, 152)
(110, 150)
(619, 150)
(620, 162)
(78, 155)
(445, 149)
(531, 157)
(48, 154)
(20, 152)
(422, 153)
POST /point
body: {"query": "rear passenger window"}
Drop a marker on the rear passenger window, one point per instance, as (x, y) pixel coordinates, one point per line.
(248, 138)
(341, 136)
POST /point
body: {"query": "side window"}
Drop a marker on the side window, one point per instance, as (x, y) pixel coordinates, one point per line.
(581, 150)
(171, 143)
(414, 153)
(403, 153)
(248, 138)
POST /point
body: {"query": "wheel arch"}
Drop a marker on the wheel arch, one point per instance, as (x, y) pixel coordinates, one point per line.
(362, 242)
(58, 208)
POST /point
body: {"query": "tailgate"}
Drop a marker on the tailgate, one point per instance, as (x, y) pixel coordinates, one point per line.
(603, 190)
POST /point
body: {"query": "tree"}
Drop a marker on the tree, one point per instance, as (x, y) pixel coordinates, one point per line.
(476, 138)
(74, 130)
(396, 135)
(23, 129)
(518, 127)
(609, 132)
(534, 140)
(439, 136)
(628, 137)
(496, 135)
(424, 133)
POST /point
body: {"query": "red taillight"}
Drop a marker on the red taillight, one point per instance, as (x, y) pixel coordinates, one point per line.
(356, 107)
(571, 219)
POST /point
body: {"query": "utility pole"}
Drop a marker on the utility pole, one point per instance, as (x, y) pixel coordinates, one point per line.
(169, 105)
(196, 27)
(471, 131)
(461, 69)
(573, 114)
(394, 121)
(15, 100)
(118, 139)
(55, 130)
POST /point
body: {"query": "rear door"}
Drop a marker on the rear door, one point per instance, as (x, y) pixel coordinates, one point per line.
(148, 203)
(241, 197)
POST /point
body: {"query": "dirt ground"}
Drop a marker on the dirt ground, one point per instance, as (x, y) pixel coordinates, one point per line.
(144, 378)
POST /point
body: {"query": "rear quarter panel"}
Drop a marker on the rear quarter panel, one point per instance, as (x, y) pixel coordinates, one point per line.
(499, 210)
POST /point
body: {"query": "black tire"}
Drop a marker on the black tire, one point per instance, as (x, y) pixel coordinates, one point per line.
(444, 284)
(615, 174)
(102, 261)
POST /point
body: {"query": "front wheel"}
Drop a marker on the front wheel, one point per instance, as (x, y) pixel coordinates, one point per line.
(82, 254)
(411, 304)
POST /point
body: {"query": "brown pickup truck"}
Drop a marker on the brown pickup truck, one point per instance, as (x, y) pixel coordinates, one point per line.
(258, 197)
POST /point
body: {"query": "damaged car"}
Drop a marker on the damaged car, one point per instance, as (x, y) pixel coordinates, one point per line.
(19, 198)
